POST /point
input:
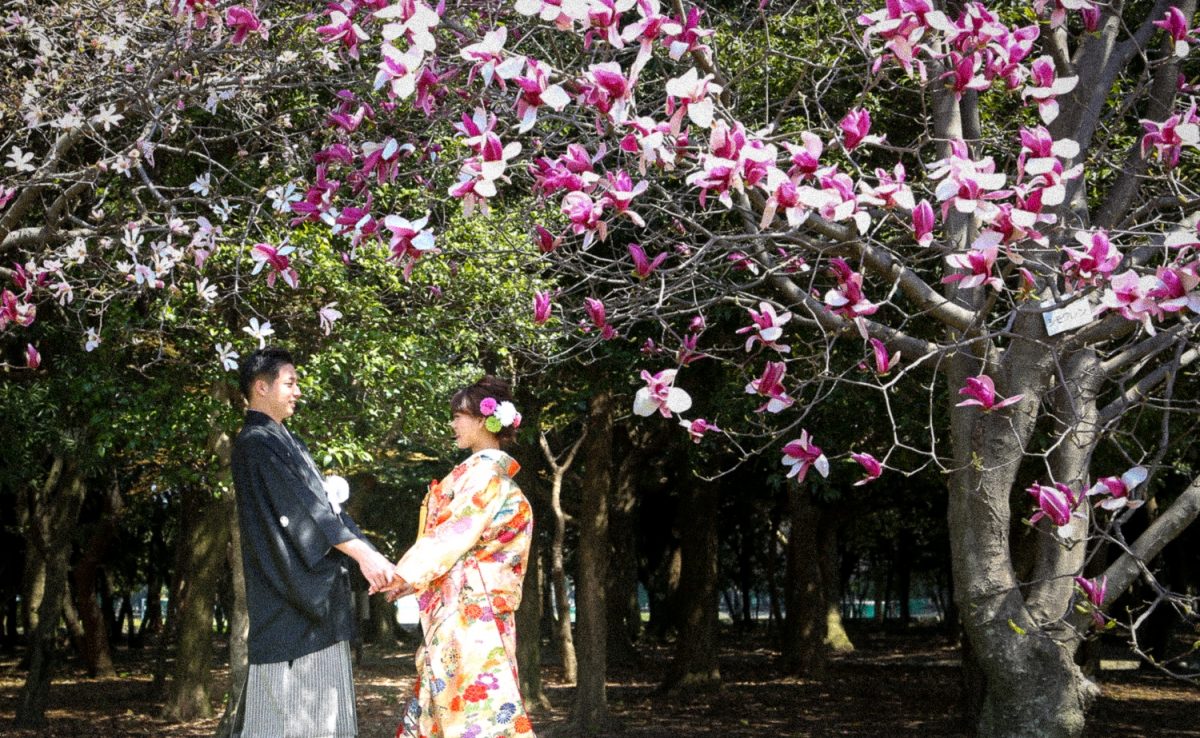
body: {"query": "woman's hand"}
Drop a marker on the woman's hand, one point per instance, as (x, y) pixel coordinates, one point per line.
(395, 589)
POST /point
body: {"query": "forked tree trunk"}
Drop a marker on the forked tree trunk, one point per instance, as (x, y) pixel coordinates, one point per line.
(50, 514)
(590, 712)
(558, 572)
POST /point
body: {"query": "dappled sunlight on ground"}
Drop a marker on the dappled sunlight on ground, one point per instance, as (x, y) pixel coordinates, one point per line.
(903, 683)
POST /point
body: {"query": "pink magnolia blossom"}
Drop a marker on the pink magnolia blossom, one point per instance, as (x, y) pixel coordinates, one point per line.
(967, 184)
(685, 35)
(891, 192)
(410, 241)
(489, 60)
(33, 359)
(698, 427)
(806, 158)
(766, 326)
(1058, 15)
(341, 28)
(1095, 591)
(327, 315)
(980, 391)
(870, 465)
(1175, 289)
(573, 171)
(1169, 137)
(770, 385)
(1045, 86)
(801, 454)
(546, 241)
(1058, 503)
(642, 266)
(537, 91)
(1096, 263)
(922, 223)
(1114, 491)
(1175, 24)
(265, 254)
(966, 73)
(978, 264)
(687, 352)
(660, 395)
(847, 299)
(688, 95)
(596, 313)
(1128, 294)
(586, 216)
(606, 89)
(884, 362)
(541, 307)
(620, 193)
(243, 22)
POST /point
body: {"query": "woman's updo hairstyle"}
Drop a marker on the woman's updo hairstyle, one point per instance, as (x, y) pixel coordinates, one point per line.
(469, 399)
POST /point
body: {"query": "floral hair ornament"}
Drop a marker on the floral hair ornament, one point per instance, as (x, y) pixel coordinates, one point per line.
(500, 415)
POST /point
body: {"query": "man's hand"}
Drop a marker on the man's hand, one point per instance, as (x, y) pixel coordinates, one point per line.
(375, 567)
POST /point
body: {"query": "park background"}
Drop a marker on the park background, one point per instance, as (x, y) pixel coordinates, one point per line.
(855, 345)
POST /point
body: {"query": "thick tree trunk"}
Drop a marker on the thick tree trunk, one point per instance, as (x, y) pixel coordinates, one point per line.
(529, 633)
(96, 622)
(804, 651)
(51, 512)
(775, 619)
(590, 712)
(239, 619)
(206, 541)
(836, 638)
(696, 666)
(1030, 683)
(624, 615)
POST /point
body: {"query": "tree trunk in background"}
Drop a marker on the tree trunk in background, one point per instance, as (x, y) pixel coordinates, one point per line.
(695, 666)
(50, 514)
(239, 618)
(775, 621)
(558, 574)
(96, 622)
(590, 711)
(664, 592)
(70, 618)
(529, 633)
(836, 638)
(903, 568)
(804, 652)
(745, 563)
(205, 539)
(624, 615)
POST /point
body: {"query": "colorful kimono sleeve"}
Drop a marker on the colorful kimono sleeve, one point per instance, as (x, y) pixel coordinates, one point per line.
(303, 513)
(462, 521)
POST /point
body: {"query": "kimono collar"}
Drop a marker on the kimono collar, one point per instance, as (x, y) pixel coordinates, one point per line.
(254, 417)
(506, 462)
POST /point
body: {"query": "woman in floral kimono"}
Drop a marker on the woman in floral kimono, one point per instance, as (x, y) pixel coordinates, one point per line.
(467, 566)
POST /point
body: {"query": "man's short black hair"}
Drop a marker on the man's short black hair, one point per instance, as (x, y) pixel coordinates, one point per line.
(264, 363)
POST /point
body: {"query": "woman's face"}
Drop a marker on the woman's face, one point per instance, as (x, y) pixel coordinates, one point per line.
(469, 431)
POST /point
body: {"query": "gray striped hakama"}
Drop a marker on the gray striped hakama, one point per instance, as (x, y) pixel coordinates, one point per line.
(313, 697)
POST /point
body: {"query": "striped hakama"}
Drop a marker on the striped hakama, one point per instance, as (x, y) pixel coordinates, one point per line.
(312, 697)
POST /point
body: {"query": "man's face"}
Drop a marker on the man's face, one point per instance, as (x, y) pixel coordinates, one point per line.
(278, 398)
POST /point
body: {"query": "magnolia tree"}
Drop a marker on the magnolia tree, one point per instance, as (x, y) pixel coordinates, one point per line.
(1021, 236)
(1018, 246)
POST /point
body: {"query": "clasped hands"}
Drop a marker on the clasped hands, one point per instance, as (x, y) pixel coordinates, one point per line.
(380, 573)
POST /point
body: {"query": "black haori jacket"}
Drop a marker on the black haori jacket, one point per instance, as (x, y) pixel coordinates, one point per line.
(297, 584)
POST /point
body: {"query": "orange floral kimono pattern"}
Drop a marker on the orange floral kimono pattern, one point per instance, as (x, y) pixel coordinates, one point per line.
(467, 567)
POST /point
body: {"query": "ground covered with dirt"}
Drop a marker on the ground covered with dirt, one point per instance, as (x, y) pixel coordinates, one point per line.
(895, 684)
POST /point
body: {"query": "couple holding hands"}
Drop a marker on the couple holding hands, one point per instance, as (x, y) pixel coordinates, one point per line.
(297, 545)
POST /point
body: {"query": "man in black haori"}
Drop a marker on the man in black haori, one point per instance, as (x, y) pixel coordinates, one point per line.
(297, 545)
